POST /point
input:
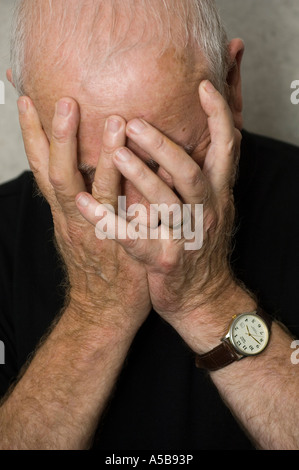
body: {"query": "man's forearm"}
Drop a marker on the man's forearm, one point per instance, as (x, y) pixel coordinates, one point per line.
(58, 401)
(262, 392)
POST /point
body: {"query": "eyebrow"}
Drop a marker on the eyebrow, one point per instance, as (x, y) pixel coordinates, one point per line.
(86, 169)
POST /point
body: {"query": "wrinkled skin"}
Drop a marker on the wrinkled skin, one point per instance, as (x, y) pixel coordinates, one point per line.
(179, 118)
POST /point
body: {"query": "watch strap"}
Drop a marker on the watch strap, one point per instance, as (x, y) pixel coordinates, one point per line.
(219, 357)
(225, 353)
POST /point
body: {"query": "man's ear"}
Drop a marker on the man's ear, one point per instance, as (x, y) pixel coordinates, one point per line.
(234, 82)
(9, 77)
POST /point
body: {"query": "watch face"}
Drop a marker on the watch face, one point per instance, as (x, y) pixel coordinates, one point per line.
(249, 334)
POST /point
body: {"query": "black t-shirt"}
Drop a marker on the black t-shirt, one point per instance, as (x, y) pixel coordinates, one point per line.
(161, 400)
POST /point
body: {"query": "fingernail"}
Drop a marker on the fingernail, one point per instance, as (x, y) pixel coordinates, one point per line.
(113, 126)
(209, 87)
(136, 126)
(22, 106)
(63, 108)
(123, 155)
(83, 201)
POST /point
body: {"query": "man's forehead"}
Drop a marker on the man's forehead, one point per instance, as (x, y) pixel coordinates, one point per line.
(140, 82)
(157, 90)
(97, 34)
(160, 91)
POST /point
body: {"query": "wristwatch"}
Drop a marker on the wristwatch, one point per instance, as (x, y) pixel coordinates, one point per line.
(248, 335)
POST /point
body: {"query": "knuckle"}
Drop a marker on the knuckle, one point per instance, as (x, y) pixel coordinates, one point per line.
(231, 145)
(100, 187)
(61, 133)
(168, 260)
(29, 138)
(101, 191)
(25, 127)
(159, 143)
(193, 176)
(56, 179)
(35, 165)
(107, 148)
(139, 172)
(33, 159)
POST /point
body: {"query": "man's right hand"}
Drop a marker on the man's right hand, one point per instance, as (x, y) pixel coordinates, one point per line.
(107, 287)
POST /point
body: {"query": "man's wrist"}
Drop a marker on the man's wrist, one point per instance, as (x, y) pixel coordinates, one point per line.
(110, 320)
(203, 328)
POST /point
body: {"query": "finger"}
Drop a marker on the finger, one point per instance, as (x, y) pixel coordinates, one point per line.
(106, 185)
(110, 226)
(64, 175)
(186, 174)
(154, 190)
(36, 146)
(220, 159)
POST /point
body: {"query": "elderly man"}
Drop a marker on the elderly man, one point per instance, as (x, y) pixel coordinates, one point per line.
(143, 99)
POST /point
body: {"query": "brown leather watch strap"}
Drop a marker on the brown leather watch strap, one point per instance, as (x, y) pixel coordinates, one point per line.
(225, 354)
(265, 316)
(219, 357)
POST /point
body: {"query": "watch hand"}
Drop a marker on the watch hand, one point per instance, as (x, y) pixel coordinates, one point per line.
(255, 339)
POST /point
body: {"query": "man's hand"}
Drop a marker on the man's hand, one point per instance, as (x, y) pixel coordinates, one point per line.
(194, 290)
(185, 285)
(105, 283)
(60, 397)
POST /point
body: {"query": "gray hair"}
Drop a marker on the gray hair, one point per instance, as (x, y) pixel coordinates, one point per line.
(198, 20)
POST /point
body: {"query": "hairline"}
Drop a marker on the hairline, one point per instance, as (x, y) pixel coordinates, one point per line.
(209, 17)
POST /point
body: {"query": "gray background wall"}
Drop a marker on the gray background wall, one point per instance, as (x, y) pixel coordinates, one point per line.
(270, 30)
